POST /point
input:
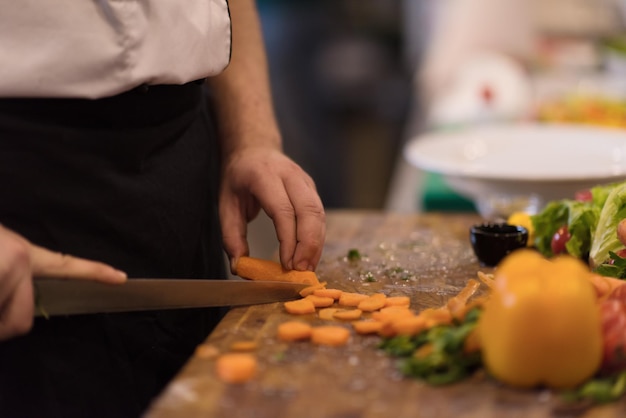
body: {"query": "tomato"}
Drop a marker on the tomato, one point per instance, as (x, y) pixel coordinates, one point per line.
(560, 238)
(613, 323)
(583, 196)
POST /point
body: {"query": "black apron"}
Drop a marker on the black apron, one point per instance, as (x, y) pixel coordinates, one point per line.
(129, 180)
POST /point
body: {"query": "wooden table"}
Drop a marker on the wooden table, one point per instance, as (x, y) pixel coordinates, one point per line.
(425, 256)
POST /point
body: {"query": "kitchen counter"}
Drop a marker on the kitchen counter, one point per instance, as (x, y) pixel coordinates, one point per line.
(427, 257)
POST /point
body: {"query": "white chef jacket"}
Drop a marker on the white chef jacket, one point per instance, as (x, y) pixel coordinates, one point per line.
(99, 48)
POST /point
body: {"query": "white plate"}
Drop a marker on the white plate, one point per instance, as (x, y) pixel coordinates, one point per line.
(507, 161)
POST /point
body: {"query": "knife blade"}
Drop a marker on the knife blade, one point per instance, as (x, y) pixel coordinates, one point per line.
(70, 297)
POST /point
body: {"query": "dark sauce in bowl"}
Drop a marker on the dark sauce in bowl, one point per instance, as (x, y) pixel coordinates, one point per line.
(491, 242)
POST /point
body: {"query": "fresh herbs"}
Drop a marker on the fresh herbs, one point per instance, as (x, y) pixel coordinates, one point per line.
(354, 255)
(398, 273)
(615, 269)
(369, 277)
(599, 390)
(437, 355)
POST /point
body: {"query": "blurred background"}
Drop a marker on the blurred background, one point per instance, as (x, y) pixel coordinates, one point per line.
(354, 80)
(341, 85)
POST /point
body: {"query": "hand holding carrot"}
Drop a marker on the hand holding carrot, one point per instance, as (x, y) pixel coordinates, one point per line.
(258, 178)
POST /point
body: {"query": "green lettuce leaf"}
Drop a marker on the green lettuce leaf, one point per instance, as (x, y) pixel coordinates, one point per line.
(605, 238)
(601, 193)
(617, 269)
(547, 222)
(582, 223)
(581, 219)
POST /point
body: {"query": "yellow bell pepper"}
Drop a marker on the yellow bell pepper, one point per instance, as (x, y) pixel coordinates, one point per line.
(541, 325)
(523, 219)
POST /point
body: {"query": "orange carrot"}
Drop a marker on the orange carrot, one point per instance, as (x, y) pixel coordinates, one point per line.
(397, 301)
(386, 330)
(424, 351)
(236, 367)
(294, 331)
(258, 269)
(487, 279)
(390, 315)
(328, 293)
(300, 307)
(436, 316)
(456, 305)
(348, 314)
(243, 346)
(391, 312)
(372, 303)
(331, 335)
(472, 342)
(298, 276)
(310, 290)
(411, 325)
(327, 313)
(321, 301)
(207, 351)
(367, 326)
(351, 299)
(476, 302)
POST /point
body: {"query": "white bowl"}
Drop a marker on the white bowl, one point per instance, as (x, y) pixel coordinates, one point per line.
(509, 167)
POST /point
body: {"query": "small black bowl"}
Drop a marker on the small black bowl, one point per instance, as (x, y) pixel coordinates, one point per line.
(493, 241)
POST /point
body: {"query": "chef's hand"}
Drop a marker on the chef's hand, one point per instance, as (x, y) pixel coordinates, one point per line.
(257, 178)
(20, 261)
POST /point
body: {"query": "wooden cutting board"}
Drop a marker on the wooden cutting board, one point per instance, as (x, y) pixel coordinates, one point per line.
(427, 257)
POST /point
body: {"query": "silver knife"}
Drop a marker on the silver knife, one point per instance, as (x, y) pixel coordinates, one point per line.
(70, 297)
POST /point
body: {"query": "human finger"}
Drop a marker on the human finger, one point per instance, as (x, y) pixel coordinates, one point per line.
(233, 221)
(277, 205)
(50, 264)
(310, 222)
(16, 313)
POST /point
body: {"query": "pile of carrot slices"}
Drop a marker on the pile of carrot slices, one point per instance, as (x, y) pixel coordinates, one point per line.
(377, 313)
(342, 313)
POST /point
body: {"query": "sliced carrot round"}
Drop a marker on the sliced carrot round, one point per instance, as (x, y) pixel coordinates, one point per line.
(207, 351)
(411, 325)
(348, 314)
(327, 313)
(367, 327)
(300, 307)
(328, 293)
(391, 312)
(397, 301)
(351, 299)
(372, 303)
(321, 301)
(236, 367)
(331, 335)
(294, 331)
(309, 290)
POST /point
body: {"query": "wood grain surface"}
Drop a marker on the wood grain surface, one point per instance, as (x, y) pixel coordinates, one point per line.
(427, 257)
